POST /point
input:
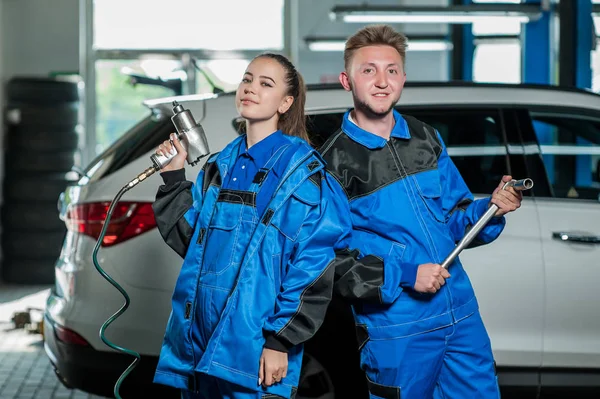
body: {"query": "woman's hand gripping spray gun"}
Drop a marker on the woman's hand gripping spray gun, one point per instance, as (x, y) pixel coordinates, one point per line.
(193, 139)
(520, 185)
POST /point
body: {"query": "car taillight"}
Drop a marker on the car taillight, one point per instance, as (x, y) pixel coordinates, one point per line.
(69, 336)
(129, 219)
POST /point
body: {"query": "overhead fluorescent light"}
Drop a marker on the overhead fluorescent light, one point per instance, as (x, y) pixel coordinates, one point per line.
(326, 45)
(424, 45)
(456, 14)
(338, 44)
(429, 19)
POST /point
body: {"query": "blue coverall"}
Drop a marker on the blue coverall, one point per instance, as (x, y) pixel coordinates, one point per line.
(410, 206)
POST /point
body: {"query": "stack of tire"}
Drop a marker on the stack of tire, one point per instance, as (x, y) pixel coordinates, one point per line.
(40, 147)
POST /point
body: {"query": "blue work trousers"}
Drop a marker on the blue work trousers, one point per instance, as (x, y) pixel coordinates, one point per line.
(454, 362)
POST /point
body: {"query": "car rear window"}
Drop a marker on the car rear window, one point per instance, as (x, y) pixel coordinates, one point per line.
(137, 141)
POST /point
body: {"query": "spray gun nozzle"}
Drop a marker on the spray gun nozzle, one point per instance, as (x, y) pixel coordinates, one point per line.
(177, 108)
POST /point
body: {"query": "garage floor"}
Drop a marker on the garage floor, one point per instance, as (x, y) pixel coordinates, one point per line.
(25, 371)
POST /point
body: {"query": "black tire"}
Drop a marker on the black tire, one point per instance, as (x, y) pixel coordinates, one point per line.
(60, 116)
(42, 90)
(32, 244)
(41, 139)
(31, 161)
(27, 187)
(27, 271)
(33, 216)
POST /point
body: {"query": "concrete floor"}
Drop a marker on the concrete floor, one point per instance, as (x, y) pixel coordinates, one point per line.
(25, 371)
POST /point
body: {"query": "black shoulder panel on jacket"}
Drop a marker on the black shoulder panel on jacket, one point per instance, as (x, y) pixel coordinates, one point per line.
(359, 170)
(424, 143)
(362, 171)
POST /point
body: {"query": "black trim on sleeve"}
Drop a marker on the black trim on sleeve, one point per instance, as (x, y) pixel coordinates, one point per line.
(358, 280)
(173, 176)
(277, 344)
(311, 312)
(171, 203)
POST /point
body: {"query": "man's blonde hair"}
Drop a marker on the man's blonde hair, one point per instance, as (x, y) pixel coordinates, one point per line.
(375, 35)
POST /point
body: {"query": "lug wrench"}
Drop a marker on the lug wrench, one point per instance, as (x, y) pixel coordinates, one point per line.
(519, 185)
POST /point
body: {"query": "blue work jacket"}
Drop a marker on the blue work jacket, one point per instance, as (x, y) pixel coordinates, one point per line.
(262, 276)
(409, 206)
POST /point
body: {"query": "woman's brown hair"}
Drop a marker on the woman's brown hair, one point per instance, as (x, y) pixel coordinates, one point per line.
(293, 121)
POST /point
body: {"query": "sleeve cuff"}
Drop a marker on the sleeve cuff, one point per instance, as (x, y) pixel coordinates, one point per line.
(482, 207)
(173, 176)
(277, 344)
(409, 275)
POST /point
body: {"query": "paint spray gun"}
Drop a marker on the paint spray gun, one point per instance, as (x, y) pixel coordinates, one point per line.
(192, 138)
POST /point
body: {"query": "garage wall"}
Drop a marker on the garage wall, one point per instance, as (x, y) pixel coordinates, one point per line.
(326, 66)
(40, 37)
(37, 37)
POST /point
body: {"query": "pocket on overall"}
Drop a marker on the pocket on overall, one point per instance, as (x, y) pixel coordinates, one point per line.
(430, 190)
(293, 213)
(223, 234)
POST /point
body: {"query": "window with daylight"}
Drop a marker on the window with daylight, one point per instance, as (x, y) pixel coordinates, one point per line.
(497, 61)
(145, 30)
(497, 26)
(188, 24)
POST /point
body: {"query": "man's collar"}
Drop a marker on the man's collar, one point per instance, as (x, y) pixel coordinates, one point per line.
(371, 140)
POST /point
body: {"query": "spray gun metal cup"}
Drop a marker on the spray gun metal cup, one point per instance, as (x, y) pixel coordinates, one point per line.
(190, 133)
(191, 136)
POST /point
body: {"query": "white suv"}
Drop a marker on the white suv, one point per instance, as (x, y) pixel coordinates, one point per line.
(536, 285)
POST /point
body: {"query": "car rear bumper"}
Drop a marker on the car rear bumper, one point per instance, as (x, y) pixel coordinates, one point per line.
(96, 372)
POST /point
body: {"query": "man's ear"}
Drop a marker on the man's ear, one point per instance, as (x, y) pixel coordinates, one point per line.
(285, 104)
(345, 81)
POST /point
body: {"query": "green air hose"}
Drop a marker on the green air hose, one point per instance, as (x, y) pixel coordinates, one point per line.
(121, 290)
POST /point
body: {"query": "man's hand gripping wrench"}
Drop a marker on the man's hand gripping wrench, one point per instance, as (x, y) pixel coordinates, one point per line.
(520, 185)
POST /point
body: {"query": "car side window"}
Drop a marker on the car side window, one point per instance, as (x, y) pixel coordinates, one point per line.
(475, 142)
(570, 147)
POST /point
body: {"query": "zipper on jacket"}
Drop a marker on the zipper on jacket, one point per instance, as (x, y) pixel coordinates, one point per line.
(188, 309)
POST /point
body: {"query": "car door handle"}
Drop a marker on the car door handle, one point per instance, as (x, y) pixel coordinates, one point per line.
(573, 237)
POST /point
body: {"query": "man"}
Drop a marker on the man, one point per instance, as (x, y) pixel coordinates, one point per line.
(419, 328)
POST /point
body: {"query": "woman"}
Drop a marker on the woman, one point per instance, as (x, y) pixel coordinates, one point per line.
(257, 233)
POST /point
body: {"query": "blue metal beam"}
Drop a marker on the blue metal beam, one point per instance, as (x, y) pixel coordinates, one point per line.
(583, 49)
(536, 50)
(583, 78)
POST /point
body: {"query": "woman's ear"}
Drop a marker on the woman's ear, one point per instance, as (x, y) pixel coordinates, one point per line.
(285, 104)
